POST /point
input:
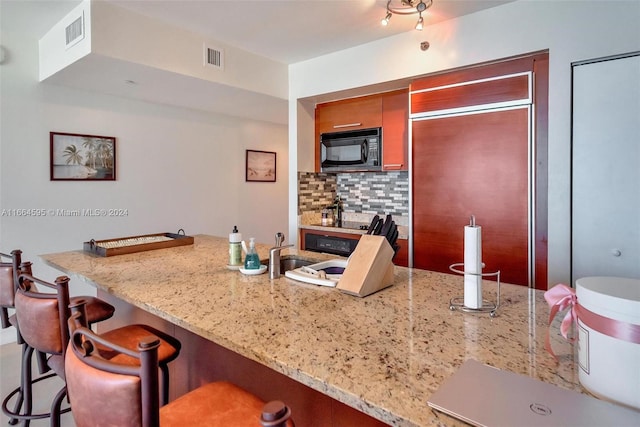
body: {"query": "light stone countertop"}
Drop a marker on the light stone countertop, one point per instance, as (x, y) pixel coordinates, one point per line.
(384, 354)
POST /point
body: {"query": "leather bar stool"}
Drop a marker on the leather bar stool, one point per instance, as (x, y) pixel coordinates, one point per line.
(42, 318)
(41, 324)
(7, 294)
(128, 337)
(102, 392)
(11, 266)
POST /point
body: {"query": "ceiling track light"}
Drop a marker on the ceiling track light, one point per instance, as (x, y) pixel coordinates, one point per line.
(407, 7)
(386, 19)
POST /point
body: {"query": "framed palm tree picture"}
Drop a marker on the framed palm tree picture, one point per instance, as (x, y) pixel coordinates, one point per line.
(76, 157)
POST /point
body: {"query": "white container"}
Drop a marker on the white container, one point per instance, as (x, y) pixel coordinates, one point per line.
(609, 367)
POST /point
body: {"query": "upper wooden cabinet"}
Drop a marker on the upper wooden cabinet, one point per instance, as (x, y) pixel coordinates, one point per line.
(395, 120)
(388, 110)
(348, 114)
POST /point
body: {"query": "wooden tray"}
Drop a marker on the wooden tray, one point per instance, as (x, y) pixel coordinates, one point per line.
(132, 244)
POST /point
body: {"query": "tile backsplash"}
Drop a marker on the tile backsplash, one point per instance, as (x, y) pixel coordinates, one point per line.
(363, 192)
(315, 191)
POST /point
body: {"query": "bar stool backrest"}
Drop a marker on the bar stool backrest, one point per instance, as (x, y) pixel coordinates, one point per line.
(7, 285)
(43, 316)
(10, 269)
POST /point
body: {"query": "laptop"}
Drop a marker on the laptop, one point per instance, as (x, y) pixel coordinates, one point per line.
(485, 396)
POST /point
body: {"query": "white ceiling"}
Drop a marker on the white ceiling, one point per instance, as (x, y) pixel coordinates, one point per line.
(294, 30)
(286, 31)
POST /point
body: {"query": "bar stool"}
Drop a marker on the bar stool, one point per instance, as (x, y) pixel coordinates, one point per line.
(9, 271)
(128, 337)
(127, 396)
(42, 318)
(40, 325)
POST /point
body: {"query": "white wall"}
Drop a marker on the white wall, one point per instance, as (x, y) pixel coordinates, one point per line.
(176, 168)
(571, 30)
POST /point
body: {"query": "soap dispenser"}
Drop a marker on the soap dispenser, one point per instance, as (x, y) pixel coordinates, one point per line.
(235, 250)
(252, 261)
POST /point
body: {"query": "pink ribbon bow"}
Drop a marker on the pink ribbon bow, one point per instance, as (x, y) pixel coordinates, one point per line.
(561, 297)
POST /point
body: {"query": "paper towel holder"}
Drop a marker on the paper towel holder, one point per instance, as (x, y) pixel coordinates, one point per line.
(457, 303)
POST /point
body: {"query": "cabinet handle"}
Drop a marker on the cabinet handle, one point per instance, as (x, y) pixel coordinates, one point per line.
(348, 125)
(397, 165)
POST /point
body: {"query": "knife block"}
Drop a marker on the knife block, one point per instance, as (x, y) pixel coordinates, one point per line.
(369, 268)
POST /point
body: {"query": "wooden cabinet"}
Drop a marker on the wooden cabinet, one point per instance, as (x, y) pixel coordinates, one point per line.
(395, 124)
(389, 110)
(349, 114)
(401, 258)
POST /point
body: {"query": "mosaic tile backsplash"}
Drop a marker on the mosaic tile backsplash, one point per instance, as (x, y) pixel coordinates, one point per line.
(364, 192)
(315, 191)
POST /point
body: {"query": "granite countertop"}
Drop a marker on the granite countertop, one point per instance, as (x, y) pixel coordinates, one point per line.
(384, 354)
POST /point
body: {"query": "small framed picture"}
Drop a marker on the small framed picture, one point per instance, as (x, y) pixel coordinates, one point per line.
(76, 157)
(261, 166)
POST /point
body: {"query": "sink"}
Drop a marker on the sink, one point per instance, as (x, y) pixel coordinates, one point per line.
(293, 263)
(290, 262)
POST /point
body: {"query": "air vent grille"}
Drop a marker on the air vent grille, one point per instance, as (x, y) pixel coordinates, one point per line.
(74, 32)
(214, 57)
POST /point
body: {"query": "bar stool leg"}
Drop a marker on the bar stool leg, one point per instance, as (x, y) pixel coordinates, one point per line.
(41, 358)
(56, 407)
(17, 407)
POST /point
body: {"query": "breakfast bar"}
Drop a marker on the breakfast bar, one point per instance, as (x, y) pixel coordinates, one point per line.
(383, 355)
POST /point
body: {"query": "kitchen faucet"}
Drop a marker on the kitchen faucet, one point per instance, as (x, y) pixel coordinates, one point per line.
(274, 256)
(338, 207)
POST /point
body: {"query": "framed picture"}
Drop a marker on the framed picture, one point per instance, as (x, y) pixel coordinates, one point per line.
(76, 157)
(261, 166)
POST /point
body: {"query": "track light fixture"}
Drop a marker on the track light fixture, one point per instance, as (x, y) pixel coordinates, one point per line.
(385, 20)
(407, 7)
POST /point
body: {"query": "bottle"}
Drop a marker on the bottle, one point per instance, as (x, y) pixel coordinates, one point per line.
(252, 260)
(327, 215)
(235, 249)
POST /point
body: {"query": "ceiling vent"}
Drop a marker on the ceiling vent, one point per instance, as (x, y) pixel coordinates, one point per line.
(74, 32)
(213, 57)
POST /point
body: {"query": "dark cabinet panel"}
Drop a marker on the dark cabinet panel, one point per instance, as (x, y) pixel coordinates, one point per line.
(500, 90)
(472, 165)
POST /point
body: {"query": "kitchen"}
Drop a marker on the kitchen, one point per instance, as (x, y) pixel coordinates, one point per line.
(569, 30)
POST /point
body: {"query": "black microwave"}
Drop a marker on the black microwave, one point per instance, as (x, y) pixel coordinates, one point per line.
(351, 151)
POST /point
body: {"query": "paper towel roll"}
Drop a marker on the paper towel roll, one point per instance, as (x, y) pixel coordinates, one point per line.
(473, 266)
